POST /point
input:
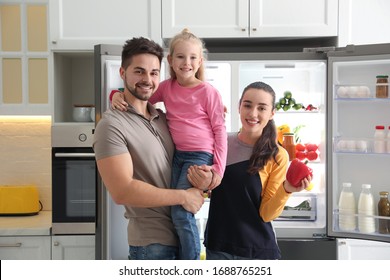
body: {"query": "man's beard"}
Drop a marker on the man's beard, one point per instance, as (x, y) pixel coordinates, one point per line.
(136, 94)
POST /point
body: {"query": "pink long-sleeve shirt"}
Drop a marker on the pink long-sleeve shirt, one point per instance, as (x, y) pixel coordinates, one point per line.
(195, 119)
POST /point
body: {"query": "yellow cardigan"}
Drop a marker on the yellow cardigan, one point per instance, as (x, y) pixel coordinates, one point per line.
(273, 194)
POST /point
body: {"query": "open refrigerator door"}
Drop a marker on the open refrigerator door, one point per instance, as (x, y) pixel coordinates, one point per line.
(356, 108)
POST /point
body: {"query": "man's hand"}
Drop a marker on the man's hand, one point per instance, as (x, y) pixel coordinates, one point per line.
(193, 200)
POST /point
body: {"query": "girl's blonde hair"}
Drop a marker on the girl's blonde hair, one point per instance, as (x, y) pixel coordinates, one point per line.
(186, 35)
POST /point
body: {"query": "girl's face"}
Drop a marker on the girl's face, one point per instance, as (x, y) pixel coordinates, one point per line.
(255, 111)
(186, 60)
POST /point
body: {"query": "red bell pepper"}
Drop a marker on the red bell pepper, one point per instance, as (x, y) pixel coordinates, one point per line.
(297, 171)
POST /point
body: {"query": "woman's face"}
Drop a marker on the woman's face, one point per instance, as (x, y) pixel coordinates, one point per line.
(255, 111)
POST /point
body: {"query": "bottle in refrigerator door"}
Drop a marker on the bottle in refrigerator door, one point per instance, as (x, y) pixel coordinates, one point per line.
(366, 210)
(388, 141)
(379, 139)
(382, 86)
(347, 209)
(384, 210)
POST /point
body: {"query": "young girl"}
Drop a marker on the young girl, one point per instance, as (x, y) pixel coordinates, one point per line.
(254, 188)
(195, 115)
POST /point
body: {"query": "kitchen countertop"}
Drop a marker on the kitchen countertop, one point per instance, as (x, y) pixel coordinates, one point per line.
(26, 225)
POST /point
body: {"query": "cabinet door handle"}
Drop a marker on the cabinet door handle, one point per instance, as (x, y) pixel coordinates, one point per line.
(19, 244)
(254, 29)
(56, 243)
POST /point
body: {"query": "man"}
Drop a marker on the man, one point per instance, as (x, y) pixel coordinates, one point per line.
(134, 152)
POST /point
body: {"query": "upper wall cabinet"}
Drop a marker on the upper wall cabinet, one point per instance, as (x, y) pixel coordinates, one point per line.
(251, 18)
(364, 22)
(81, 24)
(24, 58)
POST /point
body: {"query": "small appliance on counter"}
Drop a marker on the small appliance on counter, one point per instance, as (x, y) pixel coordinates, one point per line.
(19, 200)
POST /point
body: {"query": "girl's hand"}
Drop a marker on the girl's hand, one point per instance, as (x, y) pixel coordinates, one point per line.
(118, 101)
(200, 176)
(215, 182)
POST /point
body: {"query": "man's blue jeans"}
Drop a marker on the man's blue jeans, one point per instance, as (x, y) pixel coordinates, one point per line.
(184, 221)
(153, 252)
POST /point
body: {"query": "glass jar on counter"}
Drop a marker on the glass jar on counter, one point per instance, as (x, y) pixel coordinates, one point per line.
(384, 210)
(382, 86)
(289, 144)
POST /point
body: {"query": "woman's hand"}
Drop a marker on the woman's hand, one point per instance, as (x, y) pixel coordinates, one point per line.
(118, 101)
(290, 188)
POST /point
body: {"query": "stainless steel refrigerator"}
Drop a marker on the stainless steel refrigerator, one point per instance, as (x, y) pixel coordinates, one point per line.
(313, 78)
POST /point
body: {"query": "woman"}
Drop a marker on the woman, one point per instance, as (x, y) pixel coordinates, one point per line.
(253, 190)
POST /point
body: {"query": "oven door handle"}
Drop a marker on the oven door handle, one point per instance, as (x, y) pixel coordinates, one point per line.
(80, 155)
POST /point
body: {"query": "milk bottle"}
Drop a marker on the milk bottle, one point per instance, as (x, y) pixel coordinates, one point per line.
(347, 208)
(366, 209)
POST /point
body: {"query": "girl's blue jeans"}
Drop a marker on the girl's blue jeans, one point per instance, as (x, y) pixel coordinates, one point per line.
(184, 221)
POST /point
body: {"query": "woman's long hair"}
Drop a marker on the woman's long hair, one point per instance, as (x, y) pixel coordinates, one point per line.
(266, 146)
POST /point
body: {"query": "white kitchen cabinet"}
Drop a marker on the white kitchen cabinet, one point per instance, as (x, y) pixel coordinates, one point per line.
(73, 247)
(251, 18)
(25, 248)
(355, 249)
(364, 22)
(81, 24)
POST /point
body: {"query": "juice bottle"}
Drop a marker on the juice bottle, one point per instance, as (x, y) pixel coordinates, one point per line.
(289, 144)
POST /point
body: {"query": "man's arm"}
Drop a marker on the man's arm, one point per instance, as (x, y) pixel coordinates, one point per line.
(117, 175)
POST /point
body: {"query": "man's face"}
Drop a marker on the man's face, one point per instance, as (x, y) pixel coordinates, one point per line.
(142, 76)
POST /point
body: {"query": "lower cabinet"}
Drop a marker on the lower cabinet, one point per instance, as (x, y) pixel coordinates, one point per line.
(25, 247)
(73, 247)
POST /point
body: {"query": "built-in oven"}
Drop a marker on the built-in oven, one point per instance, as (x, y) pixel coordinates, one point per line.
(73, 179)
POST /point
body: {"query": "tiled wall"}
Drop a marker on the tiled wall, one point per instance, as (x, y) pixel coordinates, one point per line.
(25, 154)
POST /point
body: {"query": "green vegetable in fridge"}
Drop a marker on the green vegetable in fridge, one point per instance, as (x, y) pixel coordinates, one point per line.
(287, 94)
(298, 106)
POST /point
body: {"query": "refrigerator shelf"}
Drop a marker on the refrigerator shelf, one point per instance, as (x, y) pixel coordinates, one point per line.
(336, 228)
(354, 91)
(361, 99)
(300, 111)
(358, 146)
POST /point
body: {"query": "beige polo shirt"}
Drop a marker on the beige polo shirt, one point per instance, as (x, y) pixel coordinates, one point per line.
(150, 145)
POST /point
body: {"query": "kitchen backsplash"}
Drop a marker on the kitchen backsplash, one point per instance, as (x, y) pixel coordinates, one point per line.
(25, 153)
